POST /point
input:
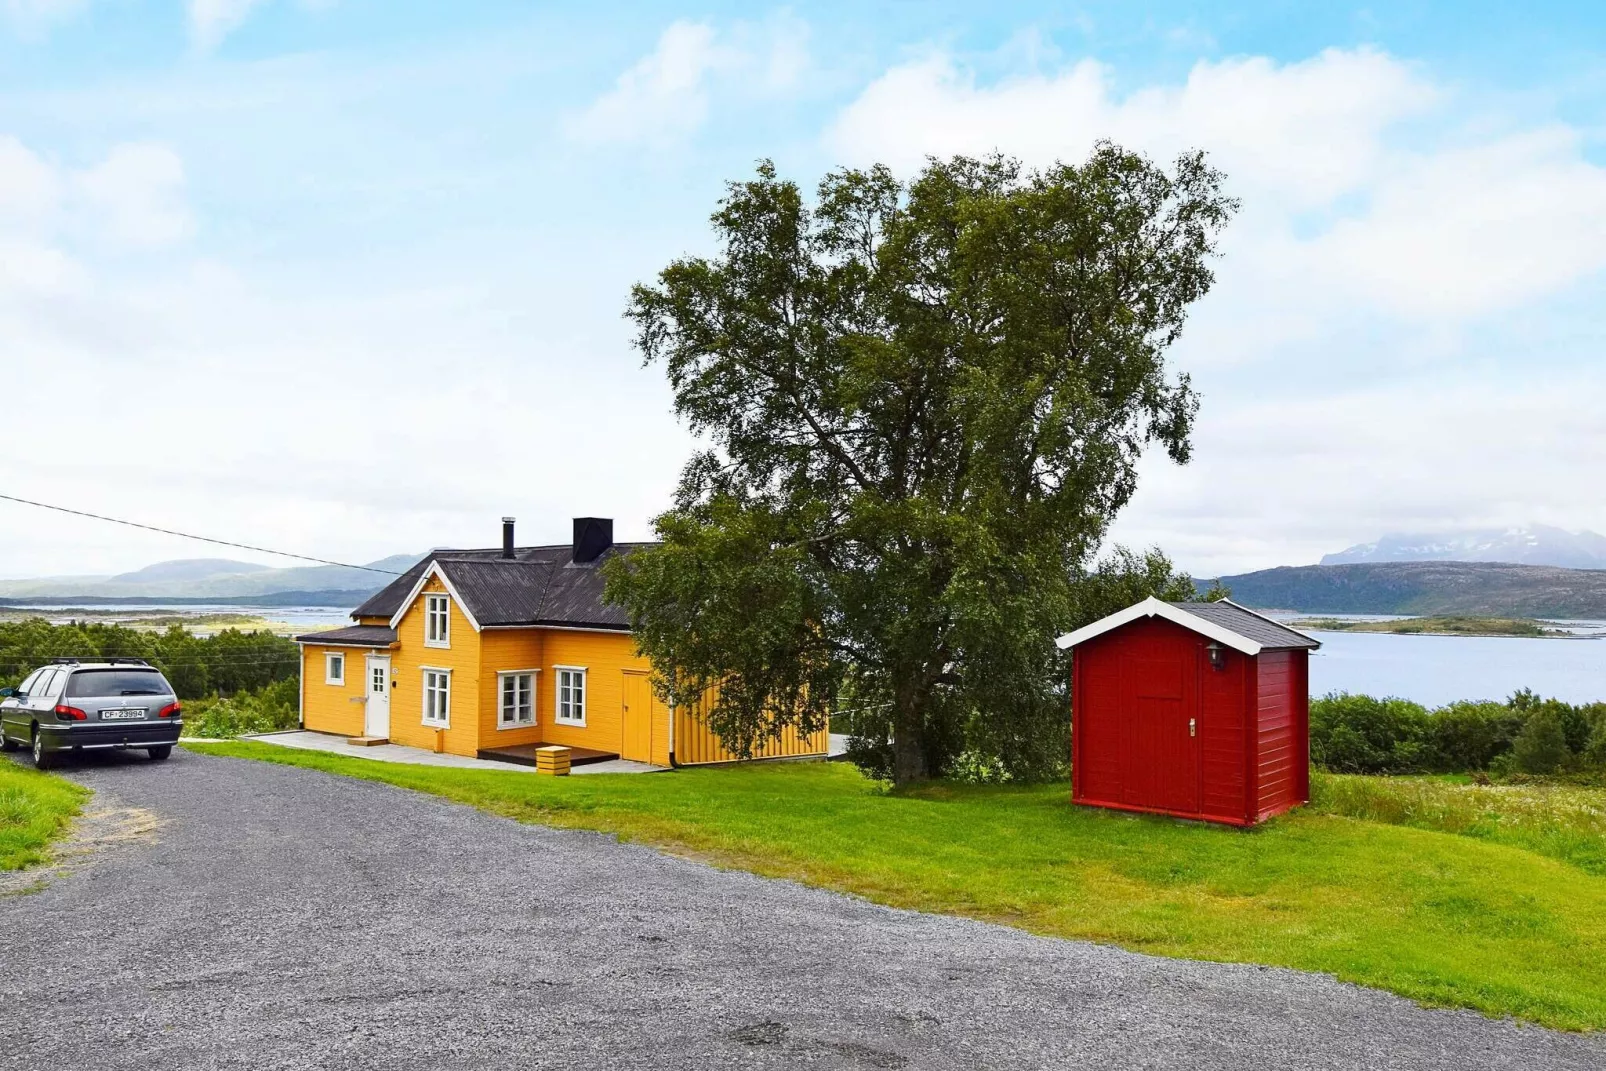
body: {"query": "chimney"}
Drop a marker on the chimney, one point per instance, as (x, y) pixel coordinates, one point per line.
(592, 536)
(507, 537)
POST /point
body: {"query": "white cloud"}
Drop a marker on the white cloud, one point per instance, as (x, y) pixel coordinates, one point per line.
(1286, 476)
(1352, 174)
(1389, 226)
(29, 186)
(213, 20)
(36, 16)
(136, 195)
(664, 97)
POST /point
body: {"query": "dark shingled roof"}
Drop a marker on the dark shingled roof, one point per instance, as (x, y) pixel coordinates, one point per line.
(539, 586)
(354, 636)
(1247, 623)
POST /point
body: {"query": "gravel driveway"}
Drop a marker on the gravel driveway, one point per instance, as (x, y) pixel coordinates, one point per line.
(279, 917)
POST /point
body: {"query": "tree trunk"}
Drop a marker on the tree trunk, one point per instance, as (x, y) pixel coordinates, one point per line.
(908, 750)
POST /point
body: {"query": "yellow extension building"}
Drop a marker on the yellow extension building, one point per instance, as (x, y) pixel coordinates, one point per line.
(493, 653)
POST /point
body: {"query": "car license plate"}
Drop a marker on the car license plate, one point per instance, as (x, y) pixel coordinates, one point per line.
(129, 713)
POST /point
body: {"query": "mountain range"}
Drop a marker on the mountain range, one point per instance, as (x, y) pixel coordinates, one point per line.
(1495, 589)
(218, 578)
(1531, 545)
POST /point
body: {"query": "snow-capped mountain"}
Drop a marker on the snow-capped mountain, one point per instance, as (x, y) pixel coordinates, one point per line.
(1530, 545)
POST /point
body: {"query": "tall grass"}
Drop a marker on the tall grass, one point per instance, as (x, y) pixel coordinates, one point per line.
(34, 809)
(1565, 822)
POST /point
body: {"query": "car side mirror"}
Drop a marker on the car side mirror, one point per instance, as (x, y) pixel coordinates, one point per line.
(7, 693)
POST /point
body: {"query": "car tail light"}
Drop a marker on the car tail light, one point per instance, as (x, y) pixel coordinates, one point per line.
(65, 711)
(172, 710)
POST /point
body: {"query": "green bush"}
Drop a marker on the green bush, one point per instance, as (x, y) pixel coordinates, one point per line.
(268, 709)
(1526, 735)
(228, 662)
(1541, 747)
(1360, 734)
(1469, 735)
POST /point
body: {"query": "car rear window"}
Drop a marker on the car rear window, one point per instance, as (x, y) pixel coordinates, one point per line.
(91, 683)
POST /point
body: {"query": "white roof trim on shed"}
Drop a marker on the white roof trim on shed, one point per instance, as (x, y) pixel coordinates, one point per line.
(1152, 607)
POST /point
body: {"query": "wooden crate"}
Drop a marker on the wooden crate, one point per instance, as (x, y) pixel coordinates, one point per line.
(552, 760)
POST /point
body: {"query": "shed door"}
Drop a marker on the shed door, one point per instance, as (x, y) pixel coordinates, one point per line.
(1160, 752)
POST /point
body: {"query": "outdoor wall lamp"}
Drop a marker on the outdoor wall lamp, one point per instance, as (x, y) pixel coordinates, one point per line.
(1218, 657)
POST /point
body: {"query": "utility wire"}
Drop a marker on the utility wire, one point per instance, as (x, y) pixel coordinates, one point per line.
(203, 539)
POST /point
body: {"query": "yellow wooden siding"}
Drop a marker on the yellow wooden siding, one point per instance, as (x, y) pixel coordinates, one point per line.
(696, 743)
(604, 656)
(332, 708)
(462, 658)
(502, 650)
(385, 621)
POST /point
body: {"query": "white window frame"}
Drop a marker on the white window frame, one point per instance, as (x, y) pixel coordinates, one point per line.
(443, 688)
(501, 696)
(437, 608)
(558, 716)
(329, 674)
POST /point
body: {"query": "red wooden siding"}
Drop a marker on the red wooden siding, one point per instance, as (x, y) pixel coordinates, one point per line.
(1279, 747)
(1222, 709)
(1095, 769)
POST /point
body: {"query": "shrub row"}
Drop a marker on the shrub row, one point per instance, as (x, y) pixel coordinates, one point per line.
(1525, 734)
(264, 710)
(230, 661)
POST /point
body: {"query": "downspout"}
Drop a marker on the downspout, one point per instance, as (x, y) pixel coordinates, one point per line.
(673, 765)
(301, 687)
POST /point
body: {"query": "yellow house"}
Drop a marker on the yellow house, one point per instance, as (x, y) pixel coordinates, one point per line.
(493, 653)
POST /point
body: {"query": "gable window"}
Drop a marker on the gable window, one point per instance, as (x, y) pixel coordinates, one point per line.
(516, 706)
(571, 707)
(437, 621)
(334, 668)
(437, 697)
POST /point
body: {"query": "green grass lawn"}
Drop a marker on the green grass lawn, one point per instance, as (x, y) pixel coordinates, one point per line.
(1441, 917)
(34, 810)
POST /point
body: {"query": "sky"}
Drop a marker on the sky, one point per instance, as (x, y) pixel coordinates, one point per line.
(345, 278)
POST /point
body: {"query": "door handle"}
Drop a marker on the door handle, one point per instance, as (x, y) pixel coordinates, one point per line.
(1192, 726)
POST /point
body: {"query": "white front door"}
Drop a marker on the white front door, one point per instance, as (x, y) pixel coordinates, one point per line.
(376, 721)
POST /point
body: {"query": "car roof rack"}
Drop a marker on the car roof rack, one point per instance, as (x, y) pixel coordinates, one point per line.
(70, 661)
(126, 662)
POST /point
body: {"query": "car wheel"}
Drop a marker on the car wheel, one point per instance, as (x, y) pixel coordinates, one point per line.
(159, 753)
(6, 743)
(42, 759)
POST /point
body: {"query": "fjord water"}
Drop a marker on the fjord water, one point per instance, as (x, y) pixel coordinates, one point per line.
(1434, 670)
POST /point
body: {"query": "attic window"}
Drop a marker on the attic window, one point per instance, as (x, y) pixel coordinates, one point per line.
(437, 621)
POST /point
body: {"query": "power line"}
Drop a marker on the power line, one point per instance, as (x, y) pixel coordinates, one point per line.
(157, 662)
(203, 539)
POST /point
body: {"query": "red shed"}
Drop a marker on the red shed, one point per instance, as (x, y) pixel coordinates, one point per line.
(1197, 709)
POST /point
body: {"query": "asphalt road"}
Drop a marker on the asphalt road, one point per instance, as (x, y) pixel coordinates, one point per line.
(283, 918)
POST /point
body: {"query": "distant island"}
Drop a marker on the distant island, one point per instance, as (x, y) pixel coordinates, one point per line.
(1436, 626)
(1426, 588)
